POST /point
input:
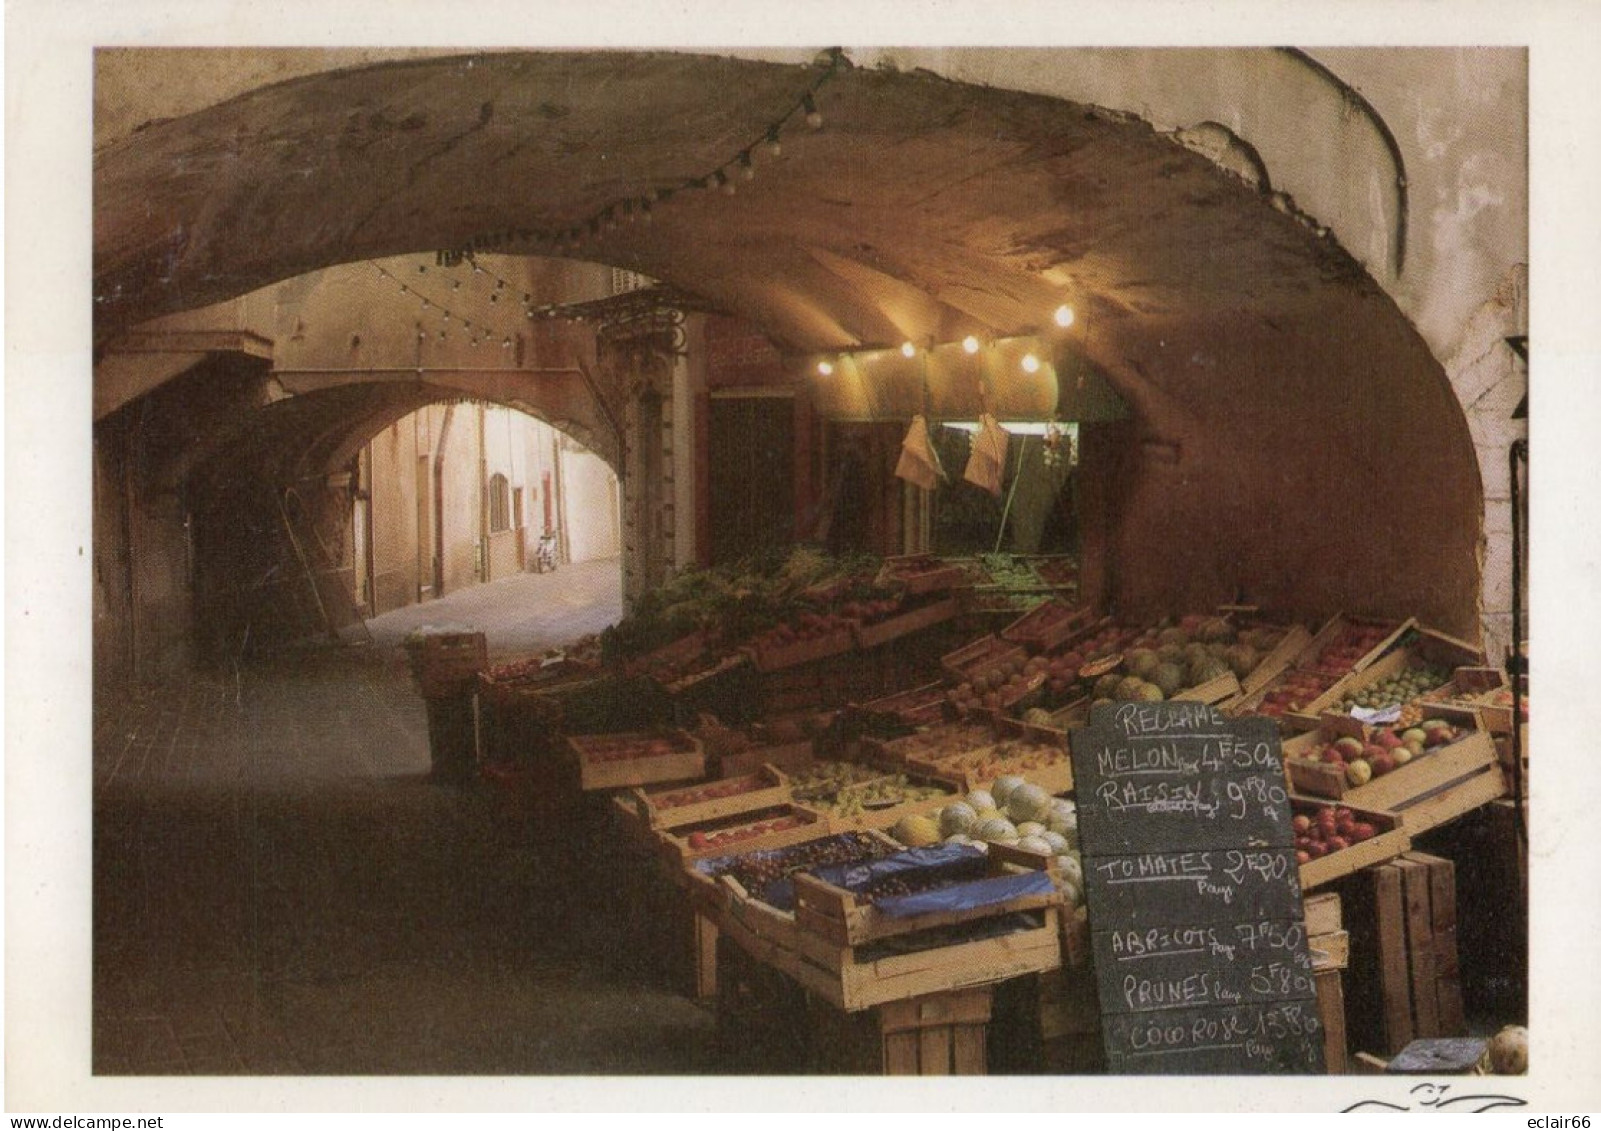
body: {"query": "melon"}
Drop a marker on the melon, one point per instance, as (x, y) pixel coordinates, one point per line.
(1241, 659)
(1002, 788)
(997, 829)
(981, 800)
(1175, 637)
(1215, 630)
(958, 838)
(1149, 693)
(916, 831)
(957, 817)
(1037, 845)
(1141, 662)
(1072, 893)
(1128, 688)
(1028, 802)
(1169, 677)
(1171, 654)
(1106, 686)
(1030, 828)
(1059, 843)
(1070, 869)
(1208, 669)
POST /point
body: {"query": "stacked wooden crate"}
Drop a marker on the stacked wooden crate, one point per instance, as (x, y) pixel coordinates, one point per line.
(1405, 978)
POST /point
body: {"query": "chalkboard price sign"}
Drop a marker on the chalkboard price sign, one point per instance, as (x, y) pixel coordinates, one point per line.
(1193, 893)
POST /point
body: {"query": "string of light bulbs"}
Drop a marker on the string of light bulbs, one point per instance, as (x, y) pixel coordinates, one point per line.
(642, 208)
(1062, 317)
(477, 332)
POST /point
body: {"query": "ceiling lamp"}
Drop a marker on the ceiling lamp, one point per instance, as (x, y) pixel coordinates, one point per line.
(825, 368)
(970, 344)
(1031, 364)
(1063, 316)
(908, 350)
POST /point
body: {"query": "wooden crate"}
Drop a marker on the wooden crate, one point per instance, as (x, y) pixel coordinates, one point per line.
(1295, 641)
(905, 623)
(1481, 689)
(684, 759)
(842, 918)
(669, 656)
(1447, 803)
(1055, 776)
(1331, 1012)
(886, 816)
(1424, 776)
(1219, 690)
(665, 807)
(919, 706)
(851, 980)
(1336, 626)
(785, 757)
(942, 1034)
(1391, 841)
(1047, 626)
(680, 846)
(1404, 956)
(919, 573)
(776, 657)
(1322, 913)
(981, 655)
(1426, 650)
(446, 664)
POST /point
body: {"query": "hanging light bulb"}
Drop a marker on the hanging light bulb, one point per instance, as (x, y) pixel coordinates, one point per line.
(775, 148)
(1031, 364)
(970, 344)
(747, 168)
(814, 117)
(908, 350)
(1063, 316)
(825, 368)
(505, 343)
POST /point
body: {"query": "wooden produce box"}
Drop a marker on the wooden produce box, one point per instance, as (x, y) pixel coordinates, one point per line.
(1426, 775)
(888, 964)
(1391, 840)
(1047, 626)
(989, 664)
(529, 683)
(1383, 633)
(1322, 913)
(446, 664)
(1404, 963)
(784, 757)
(919, 573)
(1214, 691)
(622, 761)
(1426, 649)
(982, 747)
(886, 815)
(1279, 658)
(941, 1034)
(677, 806)
(774, 827)
(916, 707)
(1484, 690)
(905, 623)
(770, 657)
(846, 919)
(674, 656)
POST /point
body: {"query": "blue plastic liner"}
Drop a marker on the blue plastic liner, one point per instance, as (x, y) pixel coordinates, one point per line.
(966, 897)
(781, 892)
(964, 864)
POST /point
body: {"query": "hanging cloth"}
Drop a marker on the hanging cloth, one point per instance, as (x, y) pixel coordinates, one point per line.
(918, 464)
(987, 459)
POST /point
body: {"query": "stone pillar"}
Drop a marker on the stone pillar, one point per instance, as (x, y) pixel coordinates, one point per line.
(1490, 380)
(641, 361)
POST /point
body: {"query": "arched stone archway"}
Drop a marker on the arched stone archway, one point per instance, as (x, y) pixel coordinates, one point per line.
(1305, 406)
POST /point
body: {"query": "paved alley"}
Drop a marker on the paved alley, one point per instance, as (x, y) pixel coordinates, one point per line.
(278, 888)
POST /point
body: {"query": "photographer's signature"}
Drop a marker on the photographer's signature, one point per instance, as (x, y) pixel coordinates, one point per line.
(1434, 1097)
